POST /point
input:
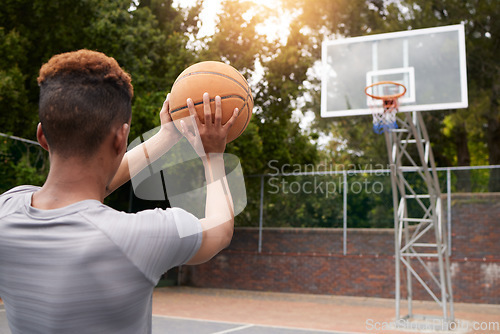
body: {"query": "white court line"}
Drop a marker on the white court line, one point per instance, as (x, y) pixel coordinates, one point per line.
(259, 325)
(234, 329)
(197, 319)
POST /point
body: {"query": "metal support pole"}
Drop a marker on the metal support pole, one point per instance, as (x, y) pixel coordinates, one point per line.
(448, 207)
(261, 212)
(344, 174)
(395, 203)
(24, 140)
(418, 226)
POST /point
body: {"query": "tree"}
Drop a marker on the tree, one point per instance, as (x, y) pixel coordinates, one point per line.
(327, 19)
(13, 92)
(272, 133)
(276, 72)
(236, 42)
(151, 48)
(277, 95)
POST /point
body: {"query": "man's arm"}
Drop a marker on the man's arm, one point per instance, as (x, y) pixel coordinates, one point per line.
(218, 224)
(142, 155)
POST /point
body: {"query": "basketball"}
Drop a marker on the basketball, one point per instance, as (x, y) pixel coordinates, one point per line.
(214, 78)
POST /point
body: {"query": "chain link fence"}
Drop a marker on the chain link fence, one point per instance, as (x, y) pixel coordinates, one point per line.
(345, 198)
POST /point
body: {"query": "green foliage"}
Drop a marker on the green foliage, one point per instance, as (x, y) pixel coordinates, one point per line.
(249, 148)
(277, 72)
(13, 94)
(276, 97)
(149, 47)
(272, 134)
(326, 19)
(21, 163)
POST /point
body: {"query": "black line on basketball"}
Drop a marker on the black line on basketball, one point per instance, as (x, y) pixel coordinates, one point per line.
(246, 89)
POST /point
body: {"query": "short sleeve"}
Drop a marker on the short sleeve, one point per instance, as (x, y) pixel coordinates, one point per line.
(184, 221)
(154, 240)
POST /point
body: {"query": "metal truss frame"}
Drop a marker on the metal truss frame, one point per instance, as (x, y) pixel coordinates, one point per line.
(420, 233)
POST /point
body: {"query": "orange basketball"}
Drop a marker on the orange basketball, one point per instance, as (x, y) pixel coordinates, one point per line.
(214, 78)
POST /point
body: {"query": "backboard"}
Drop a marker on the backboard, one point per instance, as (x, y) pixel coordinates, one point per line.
(430, 63)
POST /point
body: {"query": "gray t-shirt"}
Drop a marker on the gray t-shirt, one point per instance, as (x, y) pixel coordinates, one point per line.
(86, 268)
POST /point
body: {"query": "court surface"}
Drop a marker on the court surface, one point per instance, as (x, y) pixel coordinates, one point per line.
(166, 324)
(183, 310)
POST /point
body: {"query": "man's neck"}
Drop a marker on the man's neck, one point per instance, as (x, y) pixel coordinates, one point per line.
(71, 181)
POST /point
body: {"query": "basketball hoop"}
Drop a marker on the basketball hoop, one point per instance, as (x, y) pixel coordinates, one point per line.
(384, 115)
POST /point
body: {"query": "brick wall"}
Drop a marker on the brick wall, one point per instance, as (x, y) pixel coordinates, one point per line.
(312, 261)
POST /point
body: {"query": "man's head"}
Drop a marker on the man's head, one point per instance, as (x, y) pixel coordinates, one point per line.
(83, 95)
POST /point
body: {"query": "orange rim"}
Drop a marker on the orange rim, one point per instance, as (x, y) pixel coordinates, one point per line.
(385, 97)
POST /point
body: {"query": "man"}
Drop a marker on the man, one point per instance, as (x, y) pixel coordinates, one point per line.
(70, 264)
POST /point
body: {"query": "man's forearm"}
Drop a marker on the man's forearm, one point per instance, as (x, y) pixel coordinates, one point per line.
(219, 207)
(218, 224)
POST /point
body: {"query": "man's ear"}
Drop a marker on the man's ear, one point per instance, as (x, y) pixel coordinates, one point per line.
(40, 136)
(121, 138)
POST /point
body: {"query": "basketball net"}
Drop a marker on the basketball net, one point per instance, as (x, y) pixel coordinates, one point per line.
(384, 116)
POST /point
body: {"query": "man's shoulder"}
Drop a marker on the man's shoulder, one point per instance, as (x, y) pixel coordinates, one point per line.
(156, 221)
(105, 214)
(19, 190)
(10, 200)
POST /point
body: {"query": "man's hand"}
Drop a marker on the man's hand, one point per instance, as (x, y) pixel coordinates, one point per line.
(167, 125)
(212, 132)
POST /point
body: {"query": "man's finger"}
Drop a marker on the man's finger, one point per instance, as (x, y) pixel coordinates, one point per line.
(166, 102)
(165, 116)
(218, 111)
(206, 109)
(192, 112)
(231, 121)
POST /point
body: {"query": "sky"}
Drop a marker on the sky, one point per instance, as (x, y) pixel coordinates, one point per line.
(277, 27)
(207, 16)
